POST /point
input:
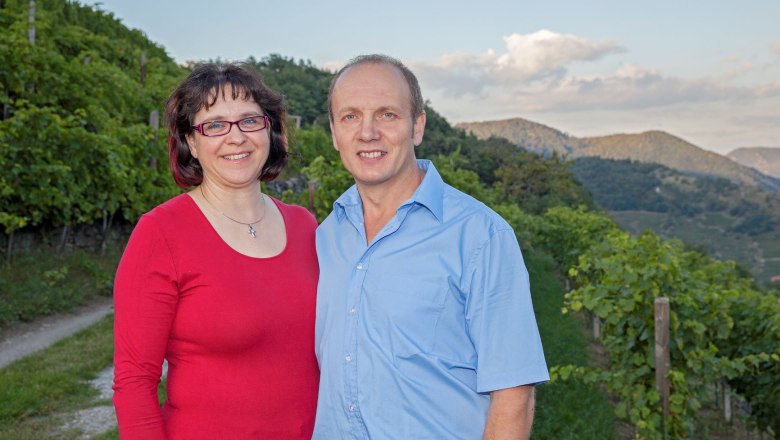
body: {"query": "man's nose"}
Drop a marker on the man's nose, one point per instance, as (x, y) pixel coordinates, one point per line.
(368, 130)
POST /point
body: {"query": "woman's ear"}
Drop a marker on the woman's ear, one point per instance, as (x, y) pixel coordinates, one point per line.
(190, 140)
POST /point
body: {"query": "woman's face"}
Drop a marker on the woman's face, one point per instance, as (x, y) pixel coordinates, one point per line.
(235, 159)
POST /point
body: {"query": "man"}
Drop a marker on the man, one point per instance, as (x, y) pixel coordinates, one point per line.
(425, 327)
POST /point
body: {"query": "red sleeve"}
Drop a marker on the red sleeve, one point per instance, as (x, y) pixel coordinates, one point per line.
(145, 298)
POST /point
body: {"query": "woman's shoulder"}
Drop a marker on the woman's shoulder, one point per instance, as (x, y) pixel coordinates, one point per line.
(172, 208)
(171, 214)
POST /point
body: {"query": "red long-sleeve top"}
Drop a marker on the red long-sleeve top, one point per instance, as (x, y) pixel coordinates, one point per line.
(237, 331)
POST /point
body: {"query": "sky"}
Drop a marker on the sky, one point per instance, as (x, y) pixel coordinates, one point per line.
(708, 72)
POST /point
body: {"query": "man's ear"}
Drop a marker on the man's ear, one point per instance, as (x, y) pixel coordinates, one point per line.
(333, 136)
(419, 129)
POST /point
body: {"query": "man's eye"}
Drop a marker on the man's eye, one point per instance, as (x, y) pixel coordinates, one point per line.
(350, 117)
(388, 115)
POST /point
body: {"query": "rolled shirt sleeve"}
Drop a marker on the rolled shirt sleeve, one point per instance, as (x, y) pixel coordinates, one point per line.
(500, 316)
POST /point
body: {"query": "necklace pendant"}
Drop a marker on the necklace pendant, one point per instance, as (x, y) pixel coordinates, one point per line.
(252, 231)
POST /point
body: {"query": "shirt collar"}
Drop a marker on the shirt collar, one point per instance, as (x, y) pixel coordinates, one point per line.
(429, 194)
(349, 200)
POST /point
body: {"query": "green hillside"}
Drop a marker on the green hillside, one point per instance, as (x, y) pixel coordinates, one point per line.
(648, 147)
(531, 136)
(721, 218)
(673, 152)
(75, 135)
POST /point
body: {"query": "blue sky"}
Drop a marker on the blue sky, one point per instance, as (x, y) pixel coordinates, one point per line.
(708, 72)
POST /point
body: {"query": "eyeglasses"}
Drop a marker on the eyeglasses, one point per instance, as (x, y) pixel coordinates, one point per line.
(221, 128)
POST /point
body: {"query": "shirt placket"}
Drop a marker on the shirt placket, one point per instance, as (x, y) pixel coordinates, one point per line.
(352, 354)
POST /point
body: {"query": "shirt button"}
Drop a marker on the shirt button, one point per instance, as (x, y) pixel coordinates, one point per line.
(348, 358)
(360, 266)
(352, 408)
(352, 311)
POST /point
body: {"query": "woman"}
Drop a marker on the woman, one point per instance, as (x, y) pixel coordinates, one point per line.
(220, 281)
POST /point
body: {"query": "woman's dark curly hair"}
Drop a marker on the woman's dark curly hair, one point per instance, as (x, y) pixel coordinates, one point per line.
(200, 90)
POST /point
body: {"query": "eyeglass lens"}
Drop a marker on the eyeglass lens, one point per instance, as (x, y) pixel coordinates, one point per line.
(250, 124)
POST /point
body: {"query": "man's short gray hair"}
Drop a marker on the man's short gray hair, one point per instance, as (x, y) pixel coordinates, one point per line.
(416, 99)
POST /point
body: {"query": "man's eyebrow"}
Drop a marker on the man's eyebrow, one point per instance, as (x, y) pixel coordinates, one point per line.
(388, 108)
(347, 110)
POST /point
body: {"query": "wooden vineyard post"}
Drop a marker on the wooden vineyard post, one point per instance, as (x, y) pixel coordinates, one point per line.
(662, 362)
(154, 122)
(312, 190)
(596, 322)
(31, 19)
(727, 401)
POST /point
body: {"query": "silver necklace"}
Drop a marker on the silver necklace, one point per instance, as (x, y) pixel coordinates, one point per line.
(252, 230)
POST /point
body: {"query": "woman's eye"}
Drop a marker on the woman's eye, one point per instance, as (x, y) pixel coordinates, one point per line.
(215, 125)
(250, 122)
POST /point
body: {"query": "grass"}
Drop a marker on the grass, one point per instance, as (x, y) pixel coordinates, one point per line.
(570, 410)
(110, 435)
(50, 382)
(45, 282)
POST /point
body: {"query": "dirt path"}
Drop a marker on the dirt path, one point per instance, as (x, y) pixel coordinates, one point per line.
(26, 338)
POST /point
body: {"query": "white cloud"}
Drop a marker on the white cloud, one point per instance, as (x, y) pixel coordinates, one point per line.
(634, 87)
(532, 75)
(531, 57)
(332, 65)
(546, 52)
(768, 90)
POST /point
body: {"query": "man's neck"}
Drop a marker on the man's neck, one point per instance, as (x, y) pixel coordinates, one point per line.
(380, 202)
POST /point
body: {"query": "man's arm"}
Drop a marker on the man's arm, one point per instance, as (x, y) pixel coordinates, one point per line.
(511, 414)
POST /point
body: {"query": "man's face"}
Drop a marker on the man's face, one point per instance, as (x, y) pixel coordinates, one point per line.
(373, 128)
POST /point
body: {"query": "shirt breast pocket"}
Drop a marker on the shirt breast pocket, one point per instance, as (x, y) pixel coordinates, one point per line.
(403, 311)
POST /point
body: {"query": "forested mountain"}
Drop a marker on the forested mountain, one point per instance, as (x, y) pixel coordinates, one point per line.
(660, 182)
(649, 147)
(727, 220)
(531, 136)
(532, 182)
(764, 159)
(673, 152)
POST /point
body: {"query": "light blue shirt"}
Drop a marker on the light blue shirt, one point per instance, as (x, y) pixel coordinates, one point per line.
(416, 328)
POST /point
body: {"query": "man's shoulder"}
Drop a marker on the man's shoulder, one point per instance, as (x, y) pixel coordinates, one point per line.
(459, 205)
(330, 223)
